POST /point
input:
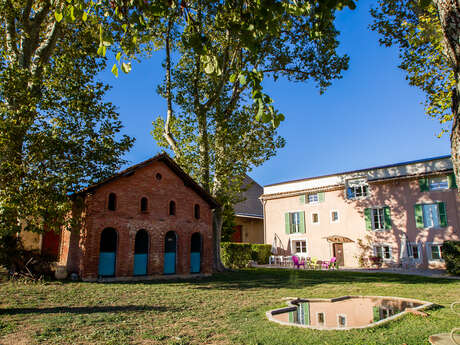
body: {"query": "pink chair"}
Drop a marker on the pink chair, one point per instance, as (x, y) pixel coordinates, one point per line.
(296, 262)
(329, 264)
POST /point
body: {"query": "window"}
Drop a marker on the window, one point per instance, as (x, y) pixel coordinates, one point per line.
(334, 216)
(294, 222)
(438, 183)
(431, 215)
(434, 251)
(158, 176)
(377, 218)
(197, 211)
(342, 321)
(357, 188)
(413, 251)
(112, 204)
(172, 208)
(300, 247)
(144, 204)
(320, 319)
(313, 198)
(378, 221)
(315, 218)
(382, 251)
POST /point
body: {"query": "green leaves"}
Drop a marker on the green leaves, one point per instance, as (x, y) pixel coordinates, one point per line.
(115, 70)
(58, 16)
(126, 67)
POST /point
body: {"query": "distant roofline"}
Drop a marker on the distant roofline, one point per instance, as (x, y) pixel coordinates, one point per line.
(249, 215)
(361, 170)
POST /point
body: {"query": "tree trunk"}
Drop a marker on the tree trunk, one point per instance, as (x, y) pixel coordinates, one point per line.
(449, 16)
(217, 221)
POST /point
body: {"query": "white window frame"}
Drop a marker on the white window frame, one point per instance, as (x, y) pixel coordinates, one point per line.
(433, 226)
(317, 318)
(338, 321)
(294, 246)
(338, 217)
(316, 201)
(419, 251)
(381, 221)
(355, 183)
(294, 226)
(429, 253)
(311, 217)
(438, 182)
(375, 245)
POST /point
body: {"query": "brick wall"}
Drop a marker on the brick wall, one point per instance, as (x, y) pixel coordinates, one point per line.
(80, 247)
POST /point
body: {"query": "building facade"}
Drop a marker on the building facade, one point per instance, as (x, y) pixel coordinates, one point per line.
(148, 220)
(401, 213)
(249, 214)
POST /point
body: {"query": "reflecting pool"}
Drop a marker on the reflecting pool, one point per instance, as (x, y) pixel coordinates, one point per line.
(346, 312)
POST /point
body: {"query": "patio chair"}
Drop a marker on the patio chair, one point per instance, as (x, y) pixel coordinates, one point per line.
(319, 264)
(298, 263)
(313, 263)
(329, 264)
(308, 262)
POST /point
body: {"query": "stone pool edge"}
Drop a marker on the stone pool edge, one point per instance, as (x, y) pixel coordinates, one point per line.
(269, 314)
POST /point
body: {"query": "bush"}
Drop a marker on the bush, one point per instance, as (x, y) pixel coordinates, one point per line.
(261, 253)
(238, 255)
(235, 255)
(451, 255)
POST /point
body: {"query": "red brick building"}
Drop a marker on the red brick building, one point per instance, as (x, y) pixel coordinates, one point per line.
(148, 220)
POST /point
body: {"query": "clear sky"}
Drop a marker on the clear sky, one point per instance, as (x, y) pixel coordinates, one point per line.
(370, 117)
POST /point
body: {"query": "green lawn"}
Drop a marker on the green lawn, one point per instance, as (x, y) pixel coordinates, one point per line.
(228, 308)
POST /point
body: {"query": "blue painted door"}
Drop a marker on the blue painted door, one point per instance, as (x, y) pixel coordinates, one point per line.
(106, 264)
(170, 253)
(141, 250)
(195, 260)
(195, 253)
(140, 264)
(170, 263)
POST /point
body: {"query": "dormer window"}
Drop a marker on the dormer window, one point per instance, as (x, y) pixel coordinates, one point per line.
(172, 208)
(357, 188)
(197, 211)
(144, 204)
(112, 204)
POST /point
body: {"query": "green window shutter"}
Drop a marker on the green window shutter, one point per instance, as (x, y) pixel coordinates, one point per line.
(418, 210)
(376, 312)
(423, 183)
(442, 214)
(287, 223)
(302, 222)
(302, 199)
(291, 317)
(387, 215)
(452, 181)
(367, 217)
(306, 312)
(321, 196)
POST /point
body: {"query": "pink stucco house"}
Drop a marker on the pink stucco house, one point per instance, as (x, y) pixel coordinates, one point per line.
(401, 212)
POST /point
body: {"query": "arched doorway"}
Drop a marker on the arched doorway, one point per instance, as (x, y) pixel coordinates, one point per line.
(141, 250)
(170, 253)
(107, 252)
(195, 253)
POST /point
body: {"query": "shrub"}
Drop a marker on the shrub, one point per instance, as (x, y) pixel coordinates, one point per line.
(261, 253)
(235, 255)
(451, 255)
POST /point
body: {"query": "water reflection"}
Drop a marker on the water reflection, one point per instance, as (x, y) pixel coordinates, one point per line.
(345, 312)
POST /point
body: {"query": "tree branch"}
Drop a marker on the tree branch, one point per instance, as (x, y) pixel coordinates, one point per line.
(11, 44)
(43, 52)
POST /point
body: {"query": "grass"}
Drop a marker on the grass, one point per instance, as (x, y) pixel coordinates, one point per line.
(228, 308)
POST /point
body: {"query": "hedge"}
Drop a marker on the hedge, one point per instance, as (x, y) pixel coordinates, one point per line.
(261, 253)
(238, 255)
(451, 255)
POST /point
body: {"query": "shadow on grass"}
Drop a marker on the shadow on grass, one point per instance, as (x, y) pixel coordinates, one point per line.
(284, 278)
(81, 310)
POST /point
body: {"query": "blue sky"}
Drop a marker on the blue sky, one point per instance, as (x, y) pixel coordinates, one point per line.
(369, 117)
